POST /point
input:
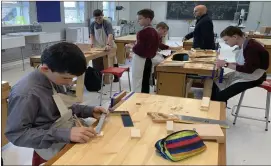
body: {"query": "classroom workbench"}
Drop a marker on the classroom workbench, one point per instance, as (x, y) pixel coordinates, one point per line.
(116, 147)
(171, 80)
(4, 111)
(258, 35)
(90, 54)
(187, 45)
(267, 45)
(121, 50)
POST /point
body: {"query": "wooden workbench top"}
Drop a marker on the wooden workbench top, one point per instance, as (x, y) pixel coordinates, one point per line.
(187, 67)
(90, 53)
(128, 38)
(5, 88)
(117, 148)
(265, 42)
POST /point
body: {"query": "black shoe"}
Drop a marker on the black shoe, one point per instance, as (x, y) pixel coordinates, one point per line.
(116, 79)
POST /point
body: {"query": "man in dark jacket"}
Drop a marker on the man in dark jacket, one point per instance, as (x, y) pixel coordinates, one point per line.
(204, 30)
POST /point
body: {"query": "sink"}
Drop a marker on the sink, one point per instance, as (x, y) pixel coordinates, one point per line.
(25, 33)
(43, 38)
(12, 41)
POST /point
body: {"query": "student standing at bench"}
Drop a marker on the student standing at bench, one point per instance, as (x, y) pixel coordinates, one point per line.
(252, 60)
(34, 119)
(147, 42)
(162, 29)
(203, 34)
(101, 36)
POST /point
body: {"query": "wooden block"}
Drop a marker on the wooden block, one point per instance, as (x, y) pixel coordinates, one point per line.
(170, 127)
(117, 98)
(205, 103)
(205, 131)
(101, 134)
(135, 133)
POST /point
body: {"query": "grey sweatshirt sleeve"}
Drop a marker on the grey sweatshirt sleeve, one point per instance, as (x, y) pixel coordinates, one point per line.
(21, 130)
(82, 111)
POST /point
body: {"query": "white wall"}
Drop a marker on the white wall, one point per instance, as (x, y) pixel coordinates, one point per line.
(180, 27)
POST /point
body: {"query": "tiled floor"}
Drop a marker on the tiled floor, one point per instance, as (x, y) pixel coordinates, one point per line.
(247, 142)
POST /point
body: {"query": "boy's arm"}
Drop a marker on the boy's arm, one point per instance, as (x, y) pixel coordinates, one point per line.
(21, 129)
(189, 36)
(139, 47)
(82, 111)
(110, 32)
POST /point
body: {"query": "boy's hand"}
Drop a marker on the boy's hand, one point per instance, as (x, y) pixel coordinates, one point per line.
(220, 63)
(129, 45)
(82, 134)
(107, 48)
(97, 111)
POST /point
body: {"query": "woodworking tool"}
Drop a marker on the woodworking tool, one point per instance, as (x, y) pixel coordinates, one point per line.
(202, 120)
(125, 116)
(100, 124)
(126, 120)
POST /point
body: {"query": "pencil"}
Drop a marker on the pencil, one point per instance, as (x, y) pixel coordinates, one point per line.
(78, 121)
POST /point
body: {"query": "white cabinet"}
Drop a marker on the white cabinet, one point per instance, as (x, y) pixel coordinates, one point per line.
(77, 35)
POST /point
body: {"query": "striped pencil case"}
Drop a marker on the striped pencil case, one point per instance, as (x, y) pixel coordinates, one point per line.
(180, 145)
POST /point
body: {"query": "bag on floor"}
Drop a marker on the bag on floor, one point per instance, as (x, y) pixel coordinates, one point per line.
(180, 145)
(93, 79)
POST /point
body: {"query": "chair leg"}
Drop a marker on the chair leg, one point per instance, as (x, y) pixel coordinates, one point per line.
(101, 93)
(129, 81)
(120, 84)
(238, 107)
(112, 78)
(267, 110)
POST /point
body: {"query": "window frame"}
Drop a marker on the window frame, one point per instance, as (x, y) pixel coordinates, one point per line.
(77, 9)
(111, 9)
(24, 11)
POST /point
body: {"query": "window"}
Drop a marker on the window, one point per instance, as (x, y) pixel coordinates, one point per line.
(74, 12)
(15, 13)
(109, 9)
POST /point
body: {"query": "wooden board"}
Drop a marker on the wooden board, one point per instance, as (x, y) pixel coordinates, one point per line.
(265, 42)
(126, 39)
(117, 148)
(4, 109)
(187, 45)
(205, 131)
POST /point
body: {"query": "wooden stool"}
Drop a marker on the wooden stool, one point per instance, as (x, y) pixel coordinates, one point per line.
(117, 71)
(267, 86)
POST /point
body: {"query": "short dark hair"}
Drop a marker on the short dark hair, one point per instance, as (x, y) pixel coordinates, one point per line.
(147, 13)
(65, 58)
(162, 25)
(230, 31)
(97, 13)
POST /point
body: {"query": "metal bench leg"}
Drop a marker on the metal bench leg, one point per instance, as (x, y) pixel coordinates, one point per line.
(112, 77)
(120, 84)
(101, 93)
(129, 81)
(267, 109)
(238, 107)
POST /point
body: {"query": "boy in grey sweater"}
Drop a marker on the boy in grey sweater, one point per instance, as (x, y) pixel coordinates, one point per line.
(33, 115)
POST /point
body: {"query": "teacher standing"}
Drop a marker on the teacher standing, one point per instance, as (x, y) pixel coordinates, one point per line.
(203, 33)
(101, 36)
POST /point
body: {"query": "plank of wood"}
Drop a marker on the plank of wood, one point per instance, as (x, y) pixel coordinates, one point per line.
(205, 103)
(205, 131)
(207, 88)
(135, 133)
(118, 97)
